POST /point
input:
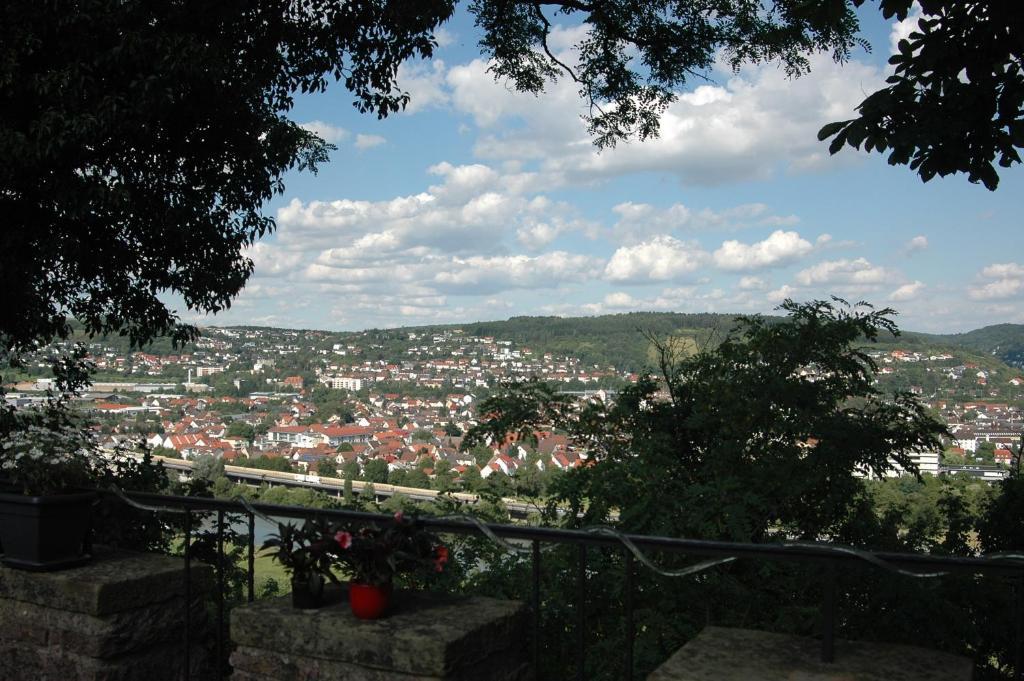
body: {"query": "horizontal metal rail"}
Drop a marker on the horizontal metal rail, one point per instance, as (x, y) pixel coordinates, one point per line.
(780, 551)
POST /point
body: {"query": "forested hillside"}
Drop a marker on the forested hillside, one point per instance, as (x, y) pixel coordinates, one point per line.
(1005, 341)
(623, 340)
(161, 345)
(620, 340)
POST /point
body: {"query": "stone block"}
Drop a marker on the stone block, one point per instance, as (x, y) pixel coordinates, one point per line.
(424, 637)
(720, 654)
(55, 663)
(120, 617)
(114, 581)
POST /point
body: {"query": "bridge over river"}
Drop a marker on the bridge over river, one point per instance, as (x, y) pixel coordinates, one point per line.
(255, 477)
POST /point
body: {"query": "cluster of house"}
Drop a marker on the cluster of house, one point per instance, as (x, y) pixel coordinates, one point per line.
(946, 365)
(140, 362)
(449, 359)
(972, 423)
(399, 430)
(465, 362)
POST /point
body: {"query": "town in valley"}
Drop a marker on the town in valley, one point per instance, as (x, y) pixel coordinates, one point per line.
(391, 407)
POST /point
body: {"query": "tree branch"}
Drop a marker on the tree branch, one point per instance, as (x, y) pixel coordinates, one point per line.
(544, 42)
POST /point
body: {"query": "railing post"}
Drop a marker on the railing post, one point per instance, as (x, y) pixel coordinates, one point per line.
(581, 613)
(1018, 633)
(251, 573)
(828, 615)
(188, 594)
(630, 626)
(220, 594)
(536, 607)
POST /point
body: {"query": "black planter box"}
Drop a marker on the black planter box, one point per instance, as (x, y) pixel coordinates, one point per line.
(45, 533)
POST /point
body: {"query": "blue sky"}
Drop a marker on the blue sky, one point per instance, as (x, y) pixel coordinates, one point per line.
(481, 203)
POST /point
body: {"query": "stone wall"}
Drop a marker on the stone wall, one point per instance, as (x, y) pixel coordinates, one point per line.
(721, 654)
(119, 618)
(425, 637)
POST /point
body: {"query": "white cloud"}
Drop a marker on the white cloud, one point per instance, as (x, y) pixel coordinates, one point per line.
(659, 259)
(475, 275)
(475, 92)
(537, 235)
(425, 83)
(516, 271)
(638, 221)
(856, 273)
(751, 126)
(907, 292)
(271, 260)
(444, 37)
(326, 131)
(1004, 271)
(537, 232)
(552, 121)
(685, 298)
(998, 290)
(619, 299)
(1009, 282)
(563, 39)
(918, 243)
(369, 141)
(462, 182)
(752, 284)
(471, 209)
(782, 293)
(780, 248)
(347, 218)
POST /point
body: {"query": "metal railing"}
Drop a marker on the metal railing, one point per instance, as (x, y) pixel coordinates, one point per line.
(530, 540)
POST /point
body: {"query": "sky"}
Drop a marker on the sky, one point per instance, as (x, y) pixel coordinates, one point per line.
(481, 203)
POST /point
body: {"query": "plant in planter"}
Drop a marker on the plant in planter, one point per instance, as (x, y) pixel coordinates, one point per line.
(50, 464)
(47, 461)
(305, 554)
(373, 555)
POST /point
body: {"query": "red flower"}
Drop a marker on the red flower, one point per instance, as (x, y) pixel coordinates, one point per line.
(440, 558)
(343, 538)
(399, 516)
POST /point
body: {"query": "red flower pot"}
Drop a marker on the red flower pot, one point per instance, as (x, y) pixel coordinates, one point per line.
(368, 601)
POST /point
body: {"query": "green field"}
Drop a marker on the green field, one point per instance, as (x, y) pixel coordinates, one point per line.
(265, 567)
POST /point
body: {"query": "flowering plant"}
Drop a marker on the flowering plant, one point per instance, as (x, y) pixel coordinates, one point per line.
(304, 552)
(46, 451)
(374, 554)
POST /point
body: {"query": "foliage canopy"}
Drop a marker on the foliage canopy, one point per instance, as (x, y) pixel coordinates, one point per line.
(142, 140)
(954, 103)
(761, 434)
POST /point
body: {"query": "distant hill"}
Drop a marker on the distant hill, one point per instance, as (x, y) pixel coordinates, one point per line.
(622, 339)
(1004, 341)
(618, 339)
(161, 345)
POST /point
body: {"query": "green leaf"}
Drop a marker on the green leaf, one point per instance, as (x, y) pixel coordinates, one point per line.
(831, 129)
(837, 143)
